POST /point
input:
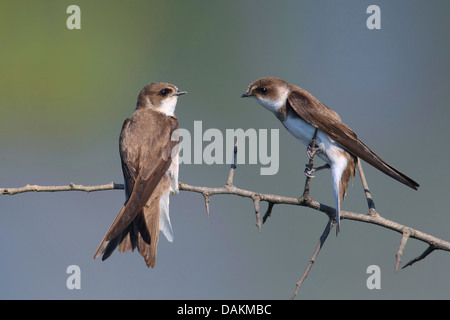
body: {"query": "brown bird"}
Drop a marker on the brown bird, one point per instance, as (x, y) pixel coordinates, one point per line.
(149, 154)
(337, 144)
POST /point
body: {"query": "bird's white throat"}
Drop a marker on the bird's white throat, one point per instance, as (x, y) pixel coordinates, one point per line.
(167, 106)
(278, 103)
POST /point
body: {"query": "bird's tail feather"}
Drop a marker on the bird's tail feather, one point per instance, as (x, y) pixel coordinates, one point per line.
(164, 218)
(336, 179)
(373, 159)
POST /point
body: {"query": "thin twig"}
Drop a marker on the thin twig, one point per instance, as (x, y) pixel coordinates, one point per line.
(207, 197)
(256, 201)
(233, 165)
(405, 236)
(319, 246)
(370, 202)
(268, 212)
(429, 250)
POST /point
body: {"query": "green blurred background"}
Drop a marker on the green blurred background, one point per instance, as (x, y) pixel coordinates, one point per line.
(65, 93)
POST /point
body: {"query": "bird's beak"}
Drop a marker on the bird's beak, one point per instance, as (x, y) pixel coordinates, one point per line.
(245, 95)
(179, 93)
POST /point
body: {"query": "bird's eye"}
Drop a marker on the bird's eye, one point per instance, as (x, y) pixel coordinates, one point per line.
(164, 92)
(263, 90)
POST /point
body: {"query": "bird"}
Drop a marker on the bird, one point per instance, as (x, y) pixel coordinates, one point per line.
(338, 145)
(148, 147)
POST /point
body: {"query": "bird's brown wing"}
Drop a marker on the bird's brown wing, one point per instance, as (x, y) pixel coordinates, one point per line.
(143, 166)
(320, 116)
(129, 167)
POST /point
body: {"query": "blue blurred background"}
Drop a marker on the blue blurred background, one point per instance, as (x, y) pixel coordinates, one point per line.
(65, 93)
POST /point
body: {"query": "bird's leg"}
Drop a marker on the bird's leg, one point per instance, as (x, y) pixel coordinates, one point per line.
(312, 150)
(309, 166)
(309, 171)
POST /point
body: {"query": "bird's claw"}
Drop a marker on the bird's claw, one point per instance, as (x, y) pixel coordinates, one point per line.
(309, 172)
(311, 152)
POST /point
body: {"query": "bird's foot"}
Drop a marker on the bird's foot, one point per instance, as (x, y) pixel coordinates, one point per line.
(311, 152)
(309, 172)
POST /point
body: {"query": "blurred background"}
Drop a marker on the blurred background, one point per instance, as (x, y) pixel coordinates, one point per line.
(65, 93)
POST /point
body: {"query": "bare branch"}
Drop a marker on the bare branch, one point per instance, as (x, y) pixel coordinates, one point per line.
(437, 243)
(233, 165)
(70, 187)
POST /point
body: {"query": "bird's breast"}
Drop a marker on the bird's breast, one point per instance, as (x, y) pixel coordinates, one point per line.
(304, 132)
(301, 130)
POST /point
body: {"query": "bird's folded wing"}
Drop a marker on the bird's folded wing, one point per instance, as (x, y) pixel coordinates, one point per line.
(329, 122)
